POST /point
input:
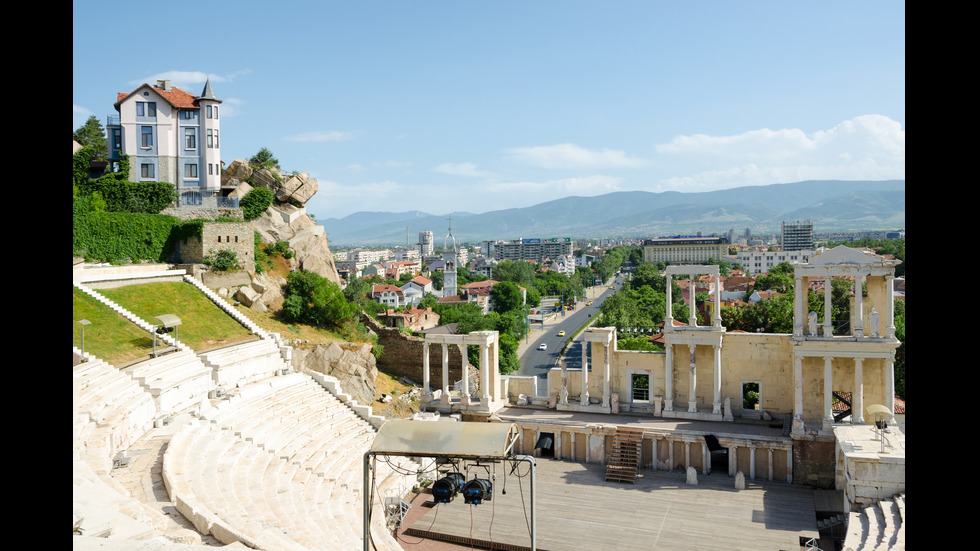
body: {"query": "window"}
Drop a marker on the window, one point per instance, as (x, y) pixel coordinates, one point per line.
(146, 170)
(215, 111)
(210, 112)
(116, 138)
(210, 169)
(190, 138)
(190, 171)
(188, 115)
(210, 138)
(216, 139)
(146, 109)
(146, 136)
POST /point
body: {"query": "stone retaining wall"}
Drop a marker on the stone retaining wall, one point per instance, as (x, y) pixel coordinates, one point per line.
(403, 355)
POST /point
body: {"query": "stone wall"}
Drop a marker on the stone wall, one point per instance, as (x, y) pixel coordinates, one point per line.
(402, 355)
(813, 462)
(216, 236)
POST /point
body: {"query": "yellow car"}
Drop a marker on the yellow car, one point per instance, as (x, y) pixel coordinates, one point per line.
(588, 303)
(561, 333)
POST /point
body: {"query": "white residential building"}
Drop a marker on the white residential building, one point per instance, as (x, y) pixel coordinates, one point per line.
(170, 136)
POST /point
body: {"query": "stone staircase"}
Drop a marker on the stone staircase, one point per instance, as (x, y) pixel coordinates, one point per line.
(624, 458)
(877, 527)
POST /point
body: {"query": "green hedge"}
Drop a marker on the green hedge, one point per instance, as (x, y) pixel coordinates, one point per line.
(115, 236)
(133, 197)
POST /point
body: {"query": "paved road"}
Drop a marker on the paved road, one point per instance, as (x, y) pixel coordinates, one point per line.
(538, 362)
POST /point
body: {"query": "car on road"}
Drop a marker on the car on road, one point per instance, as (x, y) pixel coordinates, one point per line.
(561, 333)
(543, 346)
(588, 303)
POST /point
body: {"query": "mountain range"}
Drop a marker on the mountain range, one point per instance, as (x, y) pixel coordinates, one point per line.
(832, 205)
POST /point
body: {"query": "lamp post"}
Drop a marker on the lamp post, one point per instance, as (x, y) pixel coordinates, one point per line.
(83, 323)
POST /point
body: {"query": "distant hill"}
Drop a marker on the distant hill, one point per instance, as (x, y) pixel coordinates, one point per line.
(831, 205)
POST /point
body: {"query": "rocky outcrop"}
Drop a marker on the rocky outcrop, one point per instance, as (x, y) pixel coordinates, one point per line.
(351, 364)
(286, 219)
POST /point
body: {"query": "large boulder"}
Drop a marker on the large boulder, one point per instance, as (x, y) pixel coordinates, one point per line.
(297, 189)
(286, 219)
(350, 363)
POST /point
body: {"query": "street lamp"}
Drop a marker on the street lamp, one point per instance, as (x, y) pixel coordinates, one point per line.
(83, 323)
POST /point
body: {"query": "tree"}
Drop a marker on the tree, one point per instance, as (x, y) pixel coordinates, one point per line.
(265, 159)
(92, 134)
(506, 296)
(315, 300)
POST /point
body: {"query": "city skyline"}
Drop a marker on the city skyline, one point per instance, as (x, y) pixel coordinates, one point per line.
(445, 107)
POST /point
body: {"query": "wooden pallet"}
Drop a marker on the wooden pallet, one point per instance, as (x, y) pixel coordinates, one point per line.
(624, 458)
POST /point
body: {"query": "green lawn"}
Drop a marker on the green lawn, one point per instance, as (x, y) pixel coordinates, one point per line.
(116, 340)
(110, 336)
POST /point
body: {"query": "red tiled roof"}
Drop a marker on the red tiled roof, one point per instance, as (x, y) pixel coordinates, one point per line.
(175, 96)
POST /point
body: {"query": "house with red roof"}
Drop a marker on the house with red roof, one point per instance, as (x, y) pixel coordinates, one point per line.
(170, 135)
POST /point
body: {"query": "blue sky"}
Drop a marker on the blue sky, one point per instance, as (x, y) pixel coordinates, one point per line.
(479, 106)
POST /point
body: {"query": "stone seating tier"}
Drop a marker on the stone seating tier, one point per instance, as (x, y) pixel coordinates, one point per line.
(877, 527)
(176, 381)
(260, 459)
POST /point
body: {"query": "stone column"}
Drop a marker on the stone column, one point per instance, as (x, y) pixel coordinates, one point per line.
(605, 374)
(789, 466)
(890, 390)
(770, 473)
(705, 459)
(669, 317)
(557, 444)
(654, 458)
(716, 319)
(828, 297)
(585, 373)
(668, 377)
(464, 399)
(692, 320)
(445, 374)
(572, 436)
(857, 403)
(692, 398)
(716, 403)
(485, 382)
(563, 392)
(890, 307)
(687, 455)
(799, 308)
(828, 393)
(752, 462)
(858, 306)
(670, 454)
(797, 395)
(426, 391)
(732, 459)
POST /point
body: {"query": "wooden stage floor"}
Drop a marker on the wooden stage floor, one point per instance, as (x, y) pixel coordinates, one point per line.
(578, 509)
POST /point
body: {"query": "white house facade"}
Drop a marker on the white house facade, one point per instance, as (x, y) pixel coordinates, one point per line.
(170, 136)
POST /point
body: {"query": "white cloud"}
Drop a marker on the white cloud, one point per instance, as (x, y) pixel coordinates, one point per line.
(868, 147)
(462, 169)
(231, 107)
(319, 136)
(571, 156)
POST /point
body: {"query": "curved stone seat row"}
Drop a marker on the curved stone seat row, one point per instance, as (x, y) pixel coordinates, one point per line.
(277, 466)
(877, 527)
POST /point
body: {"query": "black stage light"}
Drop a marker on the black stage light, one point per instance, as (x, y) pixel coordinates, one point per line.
(446, 488)
(477, 491)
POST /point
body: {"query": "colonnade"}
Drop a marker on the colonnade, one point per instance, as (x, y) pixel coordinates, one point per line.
(656, 444)
(489, 396)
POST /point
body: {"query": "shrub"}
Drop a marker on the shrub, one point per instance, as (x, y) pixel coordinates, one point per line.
(256, 202)
(223, 260)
